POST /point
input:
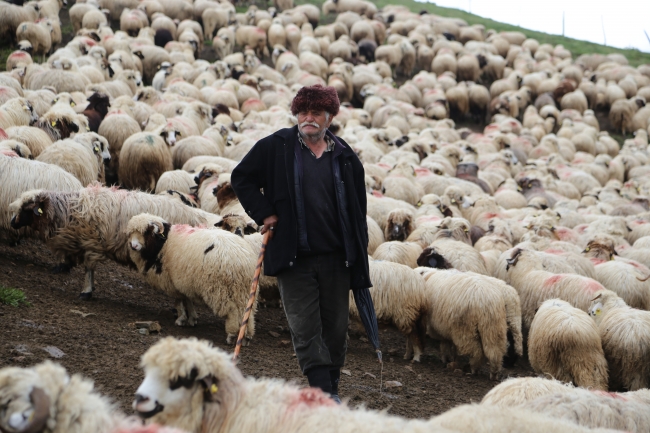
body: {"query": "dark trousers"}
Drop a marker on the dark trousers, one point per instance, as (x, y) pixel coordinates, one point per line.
(315, 293)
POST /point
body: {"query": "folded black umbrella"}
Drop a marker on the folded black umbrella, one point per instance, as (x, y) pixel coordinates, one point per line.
(368, 317)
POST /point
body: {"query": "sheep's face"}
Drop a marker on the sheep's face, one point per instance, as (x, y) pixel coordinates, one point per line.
(23, 406)
(237, 224)
(204, 174)
(100, 149)
(28, 212)
(158, 395)
(399, 227)
(596, 308)
(170, 136)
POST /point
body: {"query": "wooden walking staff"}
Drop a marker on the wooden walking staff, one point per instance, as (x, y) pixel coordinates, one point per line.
(252, 295)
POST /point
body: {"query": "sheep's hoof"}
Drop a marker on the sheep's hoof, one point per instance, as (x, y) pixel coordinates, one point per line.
(180, 321)
(230, 339)
(192, 321)
(85, 296)
(246, 342)
(453, 365)
(415, 359)
(495, 377)
(61, 268)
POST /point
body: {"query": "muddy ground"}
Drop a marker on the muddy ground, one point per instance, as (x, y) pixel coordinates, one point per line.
(97, 340)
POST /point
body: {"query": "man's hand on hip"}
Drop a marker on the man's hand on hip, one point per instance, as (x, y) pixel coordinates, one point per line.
(270, 223)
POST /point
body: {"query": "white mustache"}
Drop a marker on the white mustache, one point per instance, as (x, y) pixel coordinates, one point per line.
(314, 124)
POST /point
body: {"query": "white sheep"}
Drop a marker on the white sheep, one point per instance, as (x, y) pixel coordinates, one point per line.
(472, 314)
(564, 343)
(190, 385)
(192, 264)
(44, 398)
(625, 334)
(518, 391)
(398, 298)
(144, 157)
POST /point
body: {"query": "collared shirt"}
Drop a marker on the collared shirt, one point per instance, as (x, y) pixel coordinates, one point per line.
(328, 140)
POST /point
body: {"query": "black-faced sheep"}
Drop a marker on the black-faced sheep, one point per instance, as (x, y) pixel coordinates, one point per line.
(213, 266)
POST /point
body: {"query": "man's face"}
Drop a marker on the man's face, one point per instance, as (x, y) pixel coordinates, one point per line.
(313, 123)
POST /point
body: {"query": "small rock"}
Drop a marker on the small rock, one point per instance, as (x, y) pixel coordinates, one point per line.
(274, 334)
(458, 372)
(392, 351)
(346, 372)
(363, 339)
(18, 359)
(392, 384)
(54, 352)
(82, 314)
(370, 374)
(143, 331)
(409, 368)
(149, 326)
(285, 343)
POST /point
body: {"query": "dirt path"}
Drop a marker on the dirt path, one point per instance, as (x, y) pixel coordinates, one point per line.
(97, 340)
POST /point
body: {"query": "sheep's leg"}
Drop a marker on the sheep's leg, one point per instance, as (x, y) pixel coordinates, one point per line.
(191, 313)
(416, 345)
(89, 287)
(232, 324)
(62, 268)
(180, 312)
(409, 349)
(476, 358)
(446, 352)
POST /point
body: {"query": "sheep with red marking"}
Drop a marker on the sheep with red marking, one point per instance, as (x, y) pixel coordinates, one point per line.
(627, 278)
(535, 285)
(195, 387)
(195, 264)
(564, 343)
(625, 333)
(86, 226)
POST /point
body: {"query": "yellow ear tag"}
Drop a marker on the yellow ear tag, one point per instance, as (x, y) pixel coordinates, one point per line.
(72, 104)
(529, 185)
(214, 388)
(53, 123)
(453, 200)
(96, 149)
(598, 311)
(87, 128)
(518, 188)
(40, 211)
(587, 249)
(611, 257)
(466, 230)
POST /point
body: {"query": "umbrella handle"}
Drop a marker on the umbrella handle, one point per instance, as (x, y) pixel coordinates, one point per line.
(252, 295)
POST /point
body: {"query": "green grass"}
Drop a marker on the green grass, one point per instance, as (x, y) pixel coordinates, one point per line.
(13, 297)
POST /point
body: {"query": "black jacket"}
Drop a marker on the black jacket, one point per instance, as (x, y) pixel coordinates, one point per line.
(270, 166)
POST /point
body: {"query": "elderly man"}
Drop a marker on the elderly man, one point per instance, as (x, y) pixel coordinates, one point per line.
(314, 202)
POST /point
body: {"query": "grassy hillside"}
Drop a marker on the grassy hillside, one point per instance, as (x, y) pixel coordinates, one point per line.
(635, 57)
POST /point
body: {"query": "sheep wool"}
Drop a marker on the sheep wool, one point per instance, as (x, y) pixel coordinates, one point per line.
(398, 298)
(192, 264)
(564, 343)
(473, 314)
(625, 334)
(518, 391)
(45, 398)
(143, 159)
(199, 388)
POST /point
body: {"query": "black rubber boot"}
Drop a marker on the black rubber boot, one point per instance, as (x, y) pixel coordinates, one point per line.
(319, 377)
(335, 377)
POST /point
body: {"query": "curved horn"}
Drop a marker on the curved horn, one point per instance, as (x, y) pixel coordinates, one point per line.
(41, 403)
(644, 279)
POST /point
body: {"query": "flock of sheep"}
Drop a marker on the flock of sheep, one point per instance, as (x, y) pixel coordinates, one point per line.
(533, 235)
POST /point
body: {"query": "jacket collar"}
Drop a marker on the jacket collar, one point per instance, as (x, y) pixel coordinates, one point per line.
(339, 148)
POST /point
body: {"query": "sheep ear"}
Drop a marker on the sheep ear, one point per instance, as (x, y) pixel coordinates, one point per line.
(597, 297)
(155, 227)
(211, 388)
